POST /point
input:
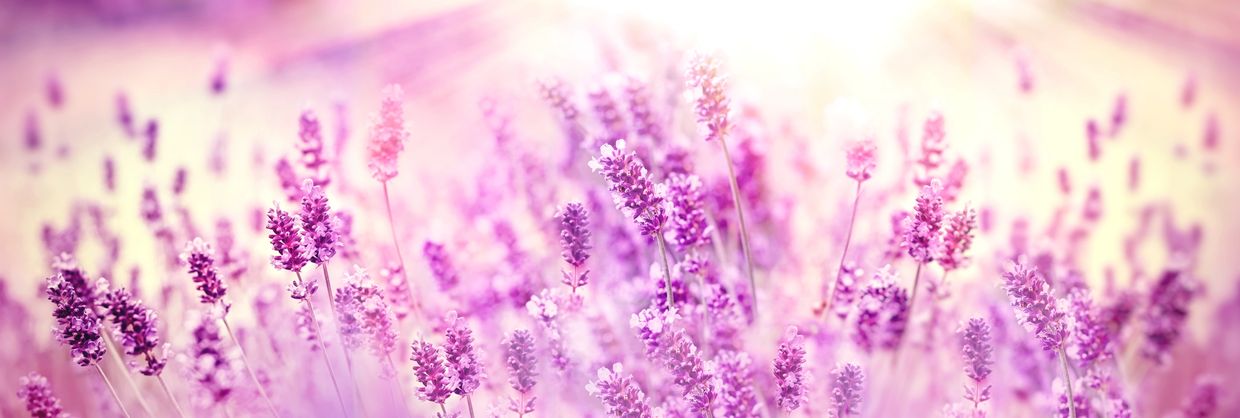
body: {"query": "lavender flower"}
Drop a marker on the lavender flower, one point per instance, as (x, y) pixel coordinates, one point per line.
(652, 324)
(645, 122)
(1035, 308)
(608, 114)
(1203, 401)
(689, 227)
(288, 179)
(317, 224)
(307, 326)
(1080, 407)
(575, 241)
(922, 229)
(737, 398)
(978, 354)
(846, 382)
(363, 316)
(684, 362)
(209, 365)
(300, 288)
(711, 102)
(621, 396)
(311, 147)
(124, 114)
(461, 355)
(882, 313)
(522, 369)
(428, 365)
(151, 138)
(789, 371)
(38, 396)
(632, 190)
(387, 135)
(199, 258)
(932, 147)
(134, 322)
(440, 264)
(847, 284)
(1167, 312)
(1090, 340)
(957, 239)
(860, 158)
(77, 325)
(291, 247)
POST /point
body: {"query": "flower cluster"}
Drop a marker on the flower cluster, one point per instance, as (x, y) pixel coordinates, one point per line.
(978, 355)
(575, 241)
(290, 246)
(77, 324)
(134, 322)
(318, 226)
(620, 395)
(789, 369)
(387, 135)
(711, 101)
(1166, 314)
(846, 388)
(631, 188)
(38, 396)
(688, 225)
(882, 313)
(522, 369)
(437, 380)
(957, 239)
(440, 264)
(199, 258)
(1035, 307)
(860, 160)
(922, 229)
(461, 355)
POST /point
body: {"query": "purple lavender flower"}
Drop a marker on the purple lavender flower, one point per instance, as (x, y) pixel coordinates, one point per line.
(1035, 307)
(38, 396)
(77, 324)
(151, 138)
(652, 324)
(789, 371)
(179, 179)
(307, 326)
(149, 207)
(860, 158)
(922, 229)
(645, 122)
(428, 365)
(350, 300)
(608, 113)
(632, 190)
(846, 387)
(847, 284)
(124, 114)
(387, 135)
(288, 179)
(1090, 340)
(1080, 407)
(522, 369)
(575, 241)
(210, 366)
(978, 354)
(291, 247)
(711, 102)
(882, 313)
(440, 264)
(932, 147)
(957, 239)
(317, 224)
(311, 147)
(33, 138)
(684, 362)
(199, 258)
(737, 398)
(621, 396)
(461, 355)
(347, 244)
(1167, 312)
(300, 288)
(1203, 401)
(689, 227)
(109, 173)
(135, 323)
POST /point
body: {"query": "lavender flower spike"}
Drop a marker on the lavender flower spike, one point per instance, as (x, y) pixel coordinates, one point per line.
(922, 229)
(621, 396)
(957, 239)
(846, 382)
(199, 258)
(712, 104)
(428, 365)
(736, 395)
(789, 371)
(77, 325)
(440, 264)
(135, 323)
(522, 369)
(290, 246)
(40, 401)
(631, 188)
(387, 135)
(575, 240)
(978, 354)
(689, 227)
(1036, 309)
(1167, 313)
(860, 159)
(318, 226)
(461, 355)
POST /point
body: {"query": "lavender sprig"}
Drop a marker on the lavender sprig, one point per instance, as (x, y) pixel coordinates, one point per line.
(77, 324)
(318, 226)
(978, 355)
(461, 355)
(387, 135)
(737, 398)
(1036, 309)
(134, 322)
(428, 366)
(575, 241)
(689, 227)
(521, 363)
(440, 264)
(846, 387)
(199, 259)
(38, 396)
(291, 248)
(1166, 315)
(620, 395)
(789, 371)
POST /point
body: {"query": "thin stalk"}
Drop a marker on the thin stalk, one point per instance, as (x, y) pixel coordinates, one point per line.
(443, 409)
(107, 338)
(573, 279)
(667, 268)
(521, 404)
(1067, 376)
(330, 371)
(404, 274)
(331, 294)
(470, 403)
(740, 216)
(331, 301)
(911, 302)
(245, 361)
(113, 390)
(175, 404)
(357, 391)
(399, 384)
(852, 220)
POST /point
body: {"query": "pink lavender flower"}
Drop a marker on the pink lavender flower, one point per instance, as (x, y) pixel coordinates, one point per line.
(428, 366)
(1080, 407)
(522, 369)
(645, 122)
(350, 303)
(652, 325)
(1036, 309)
(789, 369)
(689, 227)
(575, 241)
(317, 224)
(1091, 341)
(387, 134)
(847, 285)
(440, 264)
(860, 157)
(684, 362)
(711, 102)
(846, 387)
(978, 354)
(461, 355)
(1203, 401)
(957, 239)
(608, 113)
(882, 313)
(736, 392)
(32, 137)
(199, 259)
(77, 324)
(1167, 313)
(210, 366)
(632, 190)
(291, 247)
(621, 396)
(38, 396)
(135, 323)
(932, 147)
(922, 229)
(311, 147)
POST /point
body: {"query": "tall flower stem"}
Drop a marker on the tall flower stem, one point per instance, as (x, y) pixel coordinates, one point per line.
(330, 371)
(852, 220)
(913, 297)
(175, 404)
(740, 216)
(331, 294)
(387, 202)
(113, 390)
(469, 402)
(250, 370)
(667, 268)
(107, 339)
(1067, 376)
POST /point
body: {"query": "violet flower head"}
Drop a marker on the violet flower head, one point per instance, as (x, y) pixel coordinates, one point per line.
(461, 355)
(846, 387)
(288, 179)
(33, 138)
(77, 325)
(124, 114)
(199, 259)
(1081, 403)
(652, 325)
(38, 396)
(318, 226)
(1036, 309)
(689, 227)
(978, 355)
(684, 362)
(350, 299)
(290, 246)
(847, 286)
(311, 146)
(620, 395)
(387, 135)
(645, 121)
(957, 239)
(922, 229)
(428, 366)
(608, 113)
(789, 369)
(1203, 401)
(711, 102)
(522, 367)
(1166, 314)
(151, 139)
(632, 190)
(737, 398)
(211, 369)
(556, 94)
(882, 313)
(575, 241)
(860, 157)
(135, 323)
(300, 288)
(1090, 340)
(440, 264)
(932, 147)
(307, 326)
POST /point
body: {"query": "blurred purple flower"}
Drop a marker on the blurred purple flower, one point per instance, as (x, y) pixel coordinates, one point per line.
(620, 395)
(1166, 314)
(387, 135)
(1090, 341)
(210, 367)
(440, 264)
(689, 227)
(933, 144)
(922, 229)
(522, 369)
(632, 190)
(311, 147)
(199, 259)
(151, 138)
(847, 284)
(711, 103)
(38, 396)
(882, 313)
(575, 241)
(846, 387)
(1036, 309)
(860, 157)
(608, 114)
(789, 371)
(957, 239)
(1203, 400)
(124, 115)
(645, 122)
(737, 398)
(978, 355)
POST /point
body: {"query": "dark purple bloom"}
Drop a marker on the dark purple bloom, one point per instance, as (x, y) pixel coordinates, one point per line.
(1166, 314)
(311, 147)
(38, 396)
(199, 258)
(77, 324)
(846, 387)
(1203, 401)
(645, 122)
(737, 398)
(860, 158)
(291, 247)
(689, 227)
(461, 355)
(317, 224)
(621, 396)
(1035, 307)
(440, 264)
(882, 313)
(789, 369)
(711, 100)
(632, 190)
(957, 239)
(684, 362)
(135, 323)
(978, 354)
(575, 241)
(922, 229)
(608, 113)
(522, 368)
(437, 381)
(124, 114)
